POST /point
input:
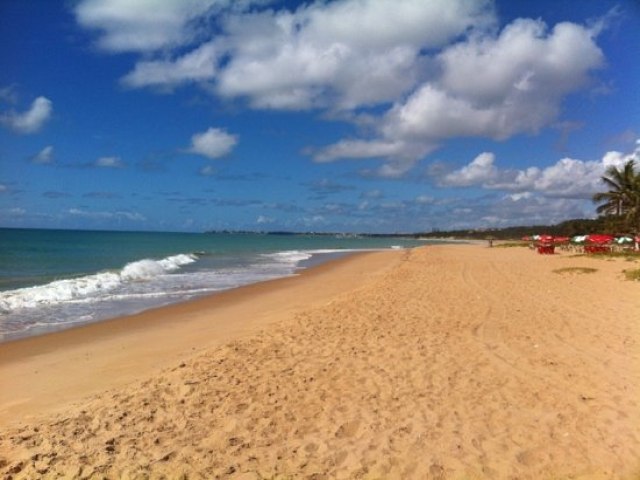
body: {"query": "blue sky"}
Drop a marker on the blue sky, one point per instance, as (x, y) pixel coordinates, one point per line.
(344, 115)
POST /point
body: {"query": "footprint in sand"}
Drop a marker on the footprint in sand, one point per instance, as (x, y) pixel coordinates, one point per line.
(348, 430)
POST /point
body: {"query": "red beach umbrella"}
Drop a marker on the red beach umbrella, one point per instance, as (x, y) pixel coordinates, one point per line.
(599, 239)
(560, 239)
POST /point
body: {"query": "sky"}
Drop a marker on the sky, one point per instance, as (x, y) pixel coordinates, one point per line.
(377, 116)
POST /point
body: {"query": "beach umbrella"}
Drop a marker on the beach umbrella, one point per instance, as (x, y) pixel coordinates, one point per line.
(546, 238)
(622, 240)
(579, 239)
(560, 239)
(599, 238)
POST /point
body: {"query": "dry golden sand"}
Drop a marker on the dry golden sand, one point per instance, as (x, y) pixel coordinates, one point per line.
(457, 362)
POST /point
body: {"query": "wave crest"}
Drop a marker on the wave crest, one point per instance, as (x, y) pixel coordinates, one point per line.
(70, 289)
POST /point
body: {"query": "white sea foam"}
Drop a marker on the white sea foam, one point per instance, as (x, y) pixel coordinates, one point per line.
(295, 257)
(290, 256)
(77, 289)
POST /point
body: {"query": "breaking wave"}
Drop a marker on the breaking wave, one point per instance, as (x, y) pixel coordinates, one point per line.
(70, 289)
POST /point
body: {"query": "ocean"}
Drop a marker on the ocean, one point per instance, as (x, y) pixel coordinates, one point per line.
(55, 279)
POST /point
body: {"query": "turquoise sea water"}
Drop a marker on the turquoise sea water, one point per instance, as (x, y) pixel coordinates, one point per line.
(55, 279)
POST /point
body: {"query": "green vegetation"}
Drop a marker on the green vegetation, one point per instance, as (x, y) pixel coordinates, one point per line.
(511, 244)
(628, 256)
(569, 228)
(579, 270)
(632, 274)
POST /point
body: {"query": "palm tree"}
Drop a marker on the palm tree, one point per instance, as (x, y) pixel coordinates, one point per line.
(622, 199)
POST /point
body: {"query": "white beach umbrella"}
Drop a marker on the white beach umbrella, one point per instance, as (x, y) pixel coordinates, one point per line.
(624, 239)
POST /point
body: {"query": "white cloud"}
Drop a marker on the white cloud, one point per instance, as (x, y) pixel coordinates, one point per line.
(567, 178)
(497, 87)
(399, 156)
(425, 199)
(109, 162)
(359, 149)
(198, 65)
(3, 188)
(480, 171)
(493, 86)
(524, 61)
(30, 121)
(314, 57)
(208, 171)
(142, 25)
(617, 159)
(214, 143)
(100, 215)
(44, 156)
(502, 211)
(263, 220)
(437, 69)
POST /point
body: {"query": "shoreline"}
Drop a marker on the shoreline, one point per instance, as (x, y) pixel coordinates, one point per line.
(302, 267)
(122, 349)
(437, 362)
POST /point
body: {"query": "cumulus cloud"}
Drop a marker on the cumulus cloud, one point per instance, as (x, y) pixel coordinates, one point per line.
(490, 86)
(213, 143)
(425, 72)
(313, 57)
(567, 178)
(480, 171)
(44, 156)
(109, 162)
(31, 120)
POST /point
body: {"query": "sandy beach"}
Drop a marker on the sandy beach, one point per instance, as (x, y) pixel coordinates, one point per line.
(442, 362)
